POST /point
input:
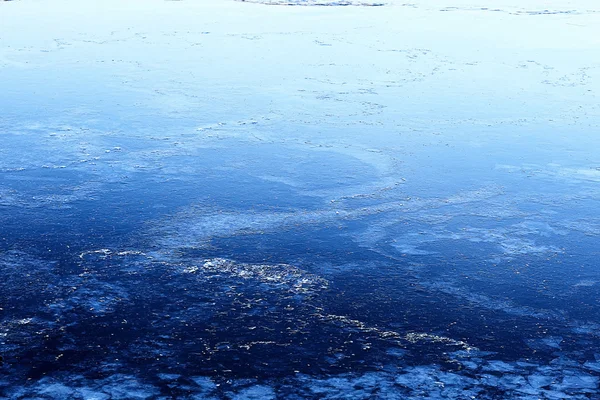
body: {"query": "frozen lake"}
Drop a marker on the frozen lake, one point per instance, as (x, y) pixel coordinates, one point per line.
(299, 199)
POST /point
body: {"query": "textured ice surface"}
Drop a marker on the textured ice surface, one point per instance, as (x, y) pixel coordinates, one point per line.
(217, 200)
(268, 292)
(413, 382)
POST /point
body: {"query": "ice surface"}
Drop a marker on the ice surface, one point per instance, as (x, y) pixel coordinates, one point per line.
(412, 382)
(315, 3)
(255, 393)
(217, 199)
